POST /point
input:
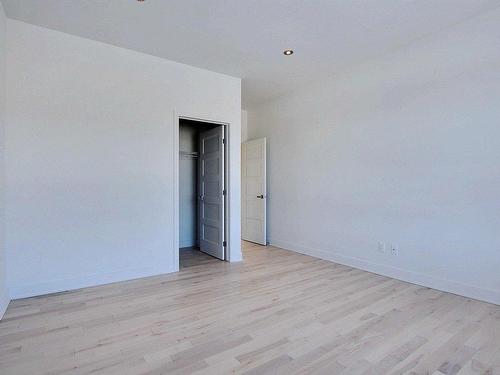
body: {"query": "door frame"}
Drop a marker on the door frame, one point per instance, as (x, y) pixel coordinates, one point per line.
(175, 147)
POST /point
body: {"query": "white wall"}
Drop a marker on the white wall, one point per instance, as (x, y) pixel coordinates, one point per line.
(244, 125)
(4, 294)
(90, 161)
(403, 149)
(188, 200)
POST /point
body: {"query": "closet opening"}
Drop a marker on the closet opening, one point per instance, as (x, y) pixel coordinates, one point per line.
(202, 192)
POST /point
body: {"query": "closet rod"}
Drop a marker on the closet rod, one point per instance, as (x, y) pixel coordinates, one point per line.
(189, 154)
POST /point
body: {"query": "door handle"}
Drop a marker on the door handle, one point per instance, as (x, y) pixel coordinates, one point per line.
(260, 196)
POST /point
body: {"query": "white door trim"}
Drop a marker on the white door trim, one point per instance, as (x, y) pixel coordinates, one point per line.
(175, 195)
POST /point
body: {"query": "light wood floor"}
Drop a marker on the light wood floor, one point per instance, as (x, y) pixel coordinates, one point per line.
(276, 312)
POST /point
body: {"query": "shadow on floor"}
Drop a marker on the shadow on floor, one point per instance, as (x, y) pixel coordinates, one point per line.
(192, 256)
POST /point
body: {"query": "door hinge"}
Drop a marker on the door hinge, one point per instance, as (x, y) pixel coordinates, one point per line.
(224, 243)
(223, 192)
(223, 141)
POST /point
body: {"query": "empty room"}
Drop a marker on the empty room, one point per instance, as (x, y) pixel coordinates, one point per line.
(250, 187)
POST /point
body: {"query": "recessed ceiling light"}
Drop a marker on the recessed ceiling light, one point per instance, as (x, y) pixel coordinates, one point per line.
(288, 52)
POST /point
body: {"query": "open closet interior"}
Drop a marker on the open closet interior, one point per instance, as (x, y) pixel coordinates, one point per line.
(201, 189)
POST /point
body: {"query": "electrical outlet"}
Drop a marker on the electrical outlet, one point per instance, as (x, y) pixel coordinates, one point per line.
(394, 249)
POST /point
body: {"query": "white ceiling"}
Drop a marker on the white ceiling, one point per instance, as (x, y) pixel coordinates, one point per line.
(245, 38)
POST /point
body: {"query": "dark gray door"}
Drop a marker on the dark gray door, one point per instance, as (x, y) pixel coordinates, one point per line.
(211, 187)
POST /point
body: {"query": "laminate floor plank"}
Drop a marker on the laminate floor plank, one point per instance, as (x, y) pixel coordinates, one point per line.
(277, 312)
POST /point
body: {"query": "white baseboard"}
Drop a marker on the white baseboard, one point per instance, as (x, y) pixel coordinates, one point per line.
(233, 258)
(4, 302)
(62, 285)
(483, 294)
(187, 243)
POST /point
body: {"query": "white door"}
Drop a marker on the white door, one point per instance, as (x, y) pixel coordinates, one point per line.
(211, 192)
(254, 194)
